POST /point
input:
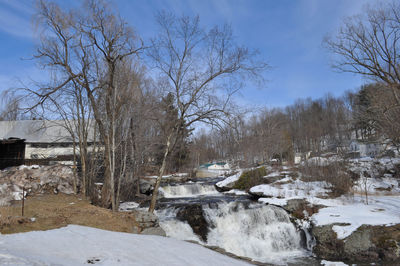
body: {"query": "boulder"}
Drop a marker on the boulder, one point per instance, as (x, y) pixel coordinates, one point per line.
(146, 219)
(194, 216)
(147, 224)
(228, 183)
(368, 243)
(327, 245)
(147, 185)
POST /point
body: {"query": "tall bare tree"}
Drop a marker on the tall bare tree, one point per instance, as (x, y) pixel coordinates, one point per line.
(87, 47)
(368, 45)
(200, 70)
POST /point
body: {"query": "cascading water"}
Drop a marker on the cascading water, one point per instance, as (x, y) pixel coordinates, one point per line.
(188, 190)
(260, 232)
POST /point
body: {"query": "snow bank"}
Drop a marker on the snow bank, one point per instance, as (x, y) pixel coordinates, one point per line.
(79, 245)
(278, 193)
(382, 210)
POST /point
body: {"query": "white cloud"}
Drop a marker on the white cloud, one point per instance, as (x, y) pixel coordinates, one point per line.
(15, 19)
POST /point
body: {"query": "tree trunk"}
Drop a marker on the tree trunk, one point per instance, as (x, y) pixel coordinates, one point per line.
(158, 181)
(74, 167)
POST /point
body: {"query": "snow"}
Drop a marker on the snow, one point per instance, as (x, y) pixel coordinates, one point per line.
(128, 206)
(229, 180)
(332, 263)
(274, 201)
(381, 210)
(278, 193)
(384, 185)
(236, 192)
(273, 174)
(79, 245)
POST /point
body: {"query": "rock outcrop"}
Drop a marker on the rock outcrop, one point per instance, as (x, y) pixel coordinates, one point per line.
(148, 224)
(366, 244)
(194, 216)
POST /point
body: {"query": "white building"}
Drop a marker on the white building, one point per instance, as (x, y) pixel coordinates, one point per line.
(212, 169)
(365, 148)
(44, 139)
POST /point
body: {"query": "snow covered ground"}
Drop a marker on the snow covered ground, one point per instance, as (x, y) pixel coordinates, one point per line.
(376, 175)
(381, 210)
(80, 245)
(278, 193)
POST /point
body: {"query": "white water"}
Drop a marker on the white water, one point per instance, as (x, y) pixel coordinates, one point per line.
(188, 190)
(261, 232)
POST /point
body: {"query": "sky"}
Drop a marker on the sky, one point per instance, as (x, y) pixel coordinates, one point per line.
(288, 34)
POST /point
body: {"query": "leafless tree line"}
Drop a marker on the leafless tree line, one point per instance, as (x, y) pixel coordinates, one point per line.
(279, 133)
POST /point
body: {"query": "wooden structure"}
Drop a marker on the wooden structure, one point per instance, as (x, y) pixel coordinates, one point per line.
(12, 152)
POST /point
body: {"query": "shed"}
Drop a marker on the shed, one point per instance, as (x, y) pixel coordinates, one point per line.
(12, 152)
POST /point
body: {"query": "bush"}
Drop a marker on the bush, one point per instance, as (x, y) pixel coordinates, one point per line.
(250, 179)
(334, 173)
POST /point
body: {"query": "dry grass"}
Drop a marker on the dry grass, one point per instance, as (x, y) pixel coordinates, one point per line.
(55, 211)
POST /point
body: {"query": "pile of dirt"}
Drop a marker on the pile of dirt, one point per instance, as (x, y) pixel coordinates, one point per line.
(35, 179)
(46, 211)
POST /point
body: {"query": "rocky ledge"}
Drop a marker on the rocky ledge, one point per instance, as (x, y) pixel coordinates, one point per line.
(367, 244)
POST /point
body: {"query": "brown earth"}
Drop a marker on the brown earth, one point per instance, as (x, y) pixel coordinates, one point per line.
(44, 212)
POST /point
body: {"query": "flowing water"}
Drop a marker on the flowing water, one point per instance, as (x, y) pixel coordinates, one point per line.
(237, 224)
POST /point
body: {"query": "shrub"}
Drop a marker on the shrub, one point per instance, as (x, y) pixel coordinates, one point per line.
(251, 178)
(334, 173)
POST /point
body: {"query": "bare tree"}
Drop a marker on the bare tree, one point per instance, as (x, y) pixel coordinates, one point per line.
(87, 47)
(11, 106)
(368, 45)
(200, 69)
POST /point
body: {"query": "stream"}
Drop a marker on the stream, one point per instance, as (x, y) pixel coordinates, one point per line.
(196, 211)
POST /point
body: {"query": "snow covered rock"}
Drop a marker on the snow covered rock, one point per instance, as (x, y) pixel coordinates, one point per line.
(35, 179)
(228, 183)
(368, 244)
(356, 231)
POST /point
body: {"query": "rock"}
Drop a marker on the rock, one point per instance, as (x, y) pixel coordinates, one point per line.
(359, 245)
(44, 179)
(194, 216)
(147, 185)
(228, 183)
(295, 204)
(368, 243)
(158, 231)
(257, 195)
(327, 245)
(146, 219)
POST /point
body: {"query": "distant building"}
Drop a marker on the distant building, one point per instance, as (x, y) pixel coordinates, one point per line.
(212, 169)
(44, 140)
(365, 148)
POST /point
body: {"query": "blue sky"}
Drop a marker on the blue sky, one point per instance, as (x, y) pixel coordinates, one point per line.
(287, 33)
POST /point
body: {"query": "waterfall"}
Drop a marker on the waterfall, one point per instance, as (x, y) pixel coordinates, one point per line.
(188, 190)
(261, 232)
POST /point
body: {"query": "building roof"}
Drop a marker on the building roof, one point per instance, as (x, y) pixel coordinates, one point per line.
(35, 131)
